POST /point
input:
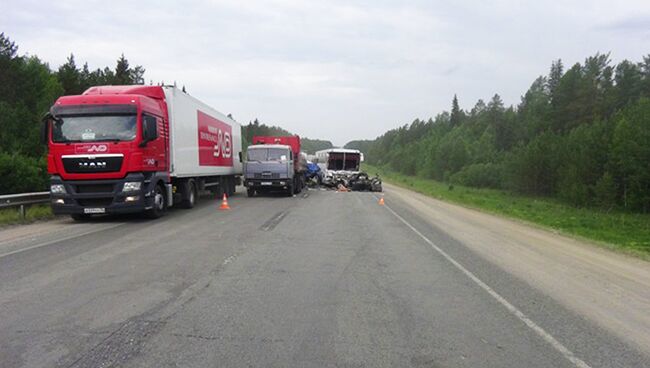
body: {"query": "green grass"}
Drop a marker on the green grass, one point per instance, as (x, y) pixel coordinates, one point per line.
(32, 213)
(627, 232)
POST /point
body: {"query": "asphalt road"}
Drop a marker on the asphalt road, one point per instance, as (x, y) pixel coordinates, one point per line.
(324, 279)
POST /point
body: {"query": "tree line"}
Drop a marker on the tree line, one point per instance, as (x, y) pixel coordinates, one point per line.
(581, 135)
(254, 128)
(28, 87)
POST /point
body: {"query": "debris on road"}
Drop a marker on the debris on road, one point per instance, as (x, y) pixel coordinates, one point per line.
(358, 181)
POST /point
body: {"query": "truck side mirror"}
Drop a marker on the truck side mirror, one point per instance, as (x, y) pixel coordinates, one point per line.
(149, 129)
(45, 128)
(240, 157)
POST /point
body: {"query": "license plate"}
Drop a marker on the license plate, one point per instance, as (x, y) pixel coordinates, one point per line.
(94, 210)
(266, 183)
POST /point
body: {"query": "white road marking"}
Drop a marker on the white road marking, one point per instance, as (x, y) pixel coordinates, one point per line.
(59, 240)
(568, 354)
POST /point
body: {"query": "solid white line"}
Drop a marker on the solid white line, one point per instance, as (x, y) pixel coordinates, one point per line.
(568, 354)
(59, 240)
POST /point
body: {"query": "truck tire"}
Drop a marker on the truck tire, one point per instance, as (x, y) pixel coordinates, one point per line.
(189, 194)
(159, 203)
(220, 189)
(290, 191)
(230, 186)
(250, 192)
(297, 188)
(80, 217)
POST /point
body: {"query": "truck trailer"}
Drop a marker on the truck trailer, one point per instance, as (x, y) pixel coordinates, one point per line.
(125, 149)
(275, 163)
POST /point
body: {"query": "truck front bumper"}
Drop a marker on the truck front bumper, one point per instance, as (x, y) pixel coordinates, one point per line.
(101, 196)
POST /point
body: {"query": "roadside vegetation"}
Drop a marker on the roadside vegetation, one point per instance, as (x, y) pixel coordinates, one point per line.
(254, 128)
(33, 213)
(615, 229)
(573, 155)
(580, 136)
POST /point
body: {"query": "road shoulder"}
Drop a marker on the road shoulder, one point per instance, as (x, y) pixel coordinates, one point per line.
(610, 289)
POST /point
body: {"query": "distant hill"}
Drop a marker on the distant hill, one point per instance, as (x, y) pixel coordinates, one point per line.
(256, 128)
(361, 145)
(313, 145)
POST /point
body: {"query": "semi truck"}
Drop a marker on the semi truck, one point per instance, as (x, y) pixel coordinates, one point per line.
(125, 149)
(275, 163)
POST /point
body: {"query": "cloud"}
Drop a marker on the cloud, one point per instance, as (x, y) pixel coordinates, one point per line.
(338, 70)
(639, 25)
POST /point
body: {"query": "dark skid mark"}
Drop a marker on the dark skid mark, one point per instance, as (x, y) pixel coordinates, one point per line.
(274, 221)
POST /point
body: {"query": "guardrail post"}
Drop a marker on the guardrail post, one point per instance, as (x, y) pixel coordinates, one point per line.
(22, 212)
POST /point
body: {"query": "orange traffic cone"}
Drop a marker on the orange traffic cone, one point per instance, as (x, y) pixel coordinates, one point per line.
(381, 201)
(224, 203)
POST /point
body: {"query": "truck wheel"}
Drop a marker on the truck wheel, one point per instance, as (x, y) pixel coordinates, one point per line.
(220, 189)
(230, 186)
(297, 188)
(159, 203)
(80, 217)
(290, 190)
(189, 194)
(250, 192)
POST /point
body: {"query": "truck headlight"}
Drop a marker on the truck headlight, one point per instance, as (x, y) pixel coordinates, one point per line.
(57, 189)
(131, 186)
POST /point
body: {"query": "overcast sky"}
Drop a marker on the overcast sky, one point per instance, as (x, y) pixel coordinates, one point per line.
(337, 70)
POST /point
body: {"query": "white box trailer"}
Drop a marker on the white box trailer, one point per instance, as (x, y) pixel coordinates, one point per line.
(203, 141)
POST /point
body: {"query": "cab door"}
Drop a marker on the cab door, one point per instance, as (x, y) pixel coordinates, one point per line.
(154, 152)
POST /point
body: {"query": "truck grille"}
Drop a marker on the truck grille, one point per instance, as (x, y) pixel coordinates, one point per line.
(92, 164)
(267, 175)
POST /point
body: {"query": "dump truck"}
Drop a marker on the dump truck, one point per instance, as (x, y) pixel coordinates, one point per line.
(274, 164)
(124, 149)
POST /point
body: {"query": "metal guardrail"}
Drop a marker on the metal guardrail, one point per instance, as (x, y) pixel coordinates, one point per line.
(23, 199)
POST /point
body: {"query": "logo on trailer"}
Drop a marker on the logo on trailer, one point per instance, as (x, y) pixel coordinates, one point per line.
(215, 141)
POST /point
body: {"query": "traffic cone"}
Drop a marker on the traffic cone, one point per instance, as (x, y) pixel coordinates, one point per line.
(381, 201)
(224, 203)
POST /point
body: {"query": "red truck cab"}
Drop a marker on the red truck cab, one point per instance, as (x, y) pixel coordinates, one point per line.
(108, 151)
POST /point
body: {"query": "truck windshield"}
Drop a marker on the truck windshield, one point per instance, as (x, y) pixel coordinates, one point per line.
(267, 154)
(94, 128)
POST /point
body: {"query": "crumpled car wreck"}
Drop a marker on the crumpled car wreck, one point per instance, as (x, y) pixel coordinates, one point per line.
(357, 181)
